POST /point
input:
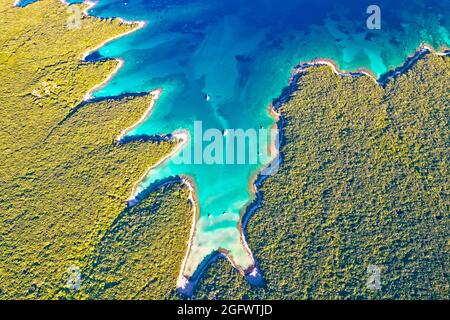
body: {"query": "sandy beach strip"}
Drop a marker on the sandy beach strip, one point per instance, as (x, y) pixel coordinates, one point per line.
(183, 281)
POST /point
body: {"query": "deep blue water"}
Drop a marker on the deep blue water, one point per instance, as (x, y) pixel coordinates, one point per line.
(240, 54)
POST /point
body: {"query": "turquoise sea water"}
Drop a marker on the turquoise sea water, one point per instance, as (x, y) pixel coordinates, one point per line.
(222, 62)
